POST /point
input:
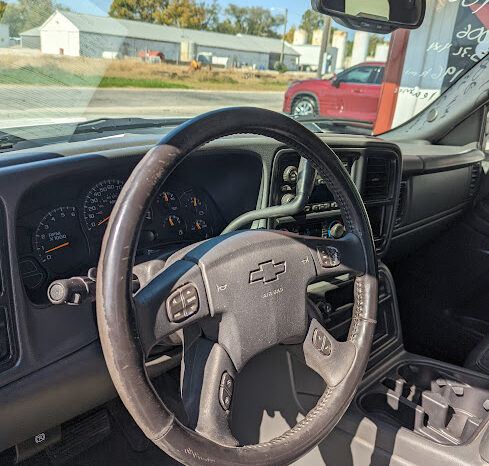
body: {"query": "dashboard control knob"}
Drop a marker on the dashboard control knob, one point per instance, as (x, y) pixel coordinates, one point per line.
(287, 198)
(337, 230)
(290, 174)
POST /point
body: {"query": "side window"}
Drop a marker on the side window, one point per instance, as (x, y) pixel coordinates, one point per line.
(358, 75)
(379, 75)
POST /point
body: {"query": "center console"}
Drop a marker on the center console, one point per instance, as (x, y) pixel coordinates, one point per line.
(438, 402)
(375, 170)
(408, 407)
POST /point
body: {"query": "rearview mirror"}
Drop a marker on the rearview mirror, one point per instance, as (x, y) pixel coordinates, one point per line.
(380, 16)
(336, 82)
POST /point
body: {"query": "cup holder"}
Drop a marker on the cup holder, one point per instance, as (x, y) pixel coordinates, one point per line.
(444, 405)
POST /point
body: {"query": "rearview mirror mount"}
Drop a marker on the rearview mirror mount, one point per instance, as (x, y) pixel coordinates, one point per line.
(379, 16)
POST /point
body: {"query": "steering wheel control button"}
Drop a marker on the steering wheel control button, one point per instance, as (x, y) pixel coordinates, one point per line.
(321, 342)
(226, 388)
(329, 256)
(182, 303)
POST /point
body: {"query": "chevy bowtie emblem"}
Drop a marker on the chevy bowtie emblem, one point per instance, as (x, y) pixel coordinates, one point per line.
(267, 272)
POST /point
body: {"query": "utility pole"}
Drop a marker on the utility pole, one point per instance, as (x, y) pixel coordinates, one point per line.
(324, 45)
(283, 37)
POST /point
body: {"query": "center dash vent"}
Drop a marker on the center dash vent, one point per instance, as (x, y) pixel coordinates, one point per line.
(401, 203)
(474, 179)
(377, 179)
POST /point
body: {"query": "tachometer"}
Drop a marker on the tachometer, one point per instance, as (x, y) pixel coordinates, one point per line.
(99, 203)
(59, 241)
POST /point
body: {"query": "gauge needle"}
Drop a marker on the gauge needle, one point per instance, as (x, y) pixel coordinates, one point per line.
(166, 197)
(57, 247)
(195, 202)
(171, 222)
(198, 226)
(103, 221)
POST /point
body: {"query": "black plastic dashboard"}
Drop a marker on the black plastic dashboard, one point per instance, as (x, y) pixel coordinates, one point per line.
(61, 220)
(53, 368)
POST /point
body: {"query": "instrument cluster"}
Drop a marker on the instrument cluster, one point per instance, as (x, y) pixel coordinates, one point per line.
(67, 238)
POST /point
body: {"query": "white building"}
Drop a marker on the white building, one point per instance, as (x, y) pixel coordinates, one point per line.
(74, 34)
(4, 36)
(309, 58)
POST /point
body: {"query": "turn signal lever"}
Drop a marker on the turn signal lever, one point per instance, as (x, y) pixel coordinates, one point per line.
(76, 290)
(73, 290)
(305, 183)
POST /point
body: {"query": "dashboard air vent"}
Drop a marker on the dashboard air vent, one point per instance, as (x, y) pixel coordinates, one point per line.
(377, 179)
(474, 179)
(5, 328)
(401, 203)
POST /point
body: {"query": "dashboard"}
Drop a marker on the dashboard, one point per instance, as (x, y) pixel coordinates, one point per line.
(61, 222)
(55, 205)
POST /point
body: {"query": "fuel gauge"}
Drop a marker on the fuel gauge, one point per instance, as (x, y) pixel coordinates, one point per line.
(169, 201)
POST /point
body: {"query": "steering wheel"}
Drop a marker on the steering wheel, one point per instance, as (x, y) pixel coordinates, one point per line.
(232, 297)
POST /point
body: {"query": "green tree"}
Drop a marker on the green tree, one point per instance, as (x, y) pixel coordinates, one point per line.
(138, 10)
(182, 13)
(373, 41)
(28, 14)
(3, 6)
(310, 21)
(253, 20)
(289, 35)
(212, 12)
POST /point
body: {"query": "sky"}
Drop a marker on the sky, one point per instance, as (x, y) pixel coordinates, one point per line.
(295, 9)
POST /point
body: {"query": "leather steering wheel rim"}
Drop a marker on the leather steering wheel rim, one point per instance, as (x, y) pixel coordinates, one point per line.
(120, 330)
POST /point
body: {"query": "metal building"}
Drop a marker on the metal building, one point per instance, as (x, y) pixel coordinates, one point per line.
(31, 39)
(77, 34)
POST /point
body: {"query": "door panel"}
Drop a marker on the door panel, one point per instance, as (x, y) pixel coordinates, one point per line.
(359, 92)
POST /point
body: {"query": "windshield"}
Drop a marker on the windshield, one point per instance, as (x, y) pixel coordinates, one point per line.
(68, 62)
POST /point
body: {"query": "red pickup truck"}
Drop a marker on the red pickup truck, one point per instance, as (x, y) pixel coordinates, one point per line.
(353, 94)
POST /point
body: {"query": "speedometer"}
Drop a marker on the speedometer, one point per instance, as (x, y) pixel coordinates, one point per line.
(99, 203)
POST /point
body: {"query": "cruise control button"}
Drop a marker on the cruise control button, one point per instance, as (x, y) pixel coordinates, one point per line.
(227, 382)
(175, 307)
(190, 299)
(328, 256)
(226, 388)
(321, 342)
(182, 303)
(224, 398)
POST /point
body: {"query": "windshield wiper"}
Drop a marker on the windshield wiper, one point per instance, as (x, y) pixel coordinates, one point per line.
(70, 131)
(337, 125)
(8, 141)
(101, 125)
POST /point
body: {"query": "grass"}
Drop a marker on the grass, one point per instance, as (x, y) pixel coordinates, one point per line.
(49, 70)
(108, 81)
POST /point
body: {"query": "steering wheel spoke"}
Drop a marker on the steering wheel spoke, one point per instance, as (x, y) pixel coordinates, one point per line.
(173, 299)
(330, 358)
(334, 257)
(207, 385)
